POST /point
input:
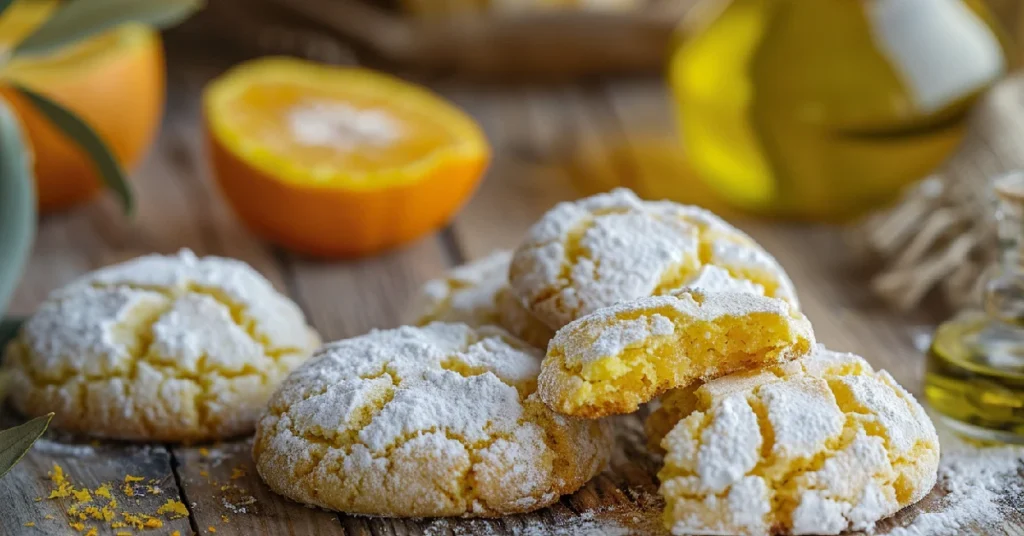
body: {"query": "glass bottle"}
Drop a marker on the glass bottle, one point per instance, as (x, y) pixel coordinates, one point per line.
(975, 370)
(822, 109)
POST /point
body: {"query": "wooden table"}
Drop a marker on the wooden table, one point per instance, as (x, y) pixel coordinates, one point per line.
(538, 136)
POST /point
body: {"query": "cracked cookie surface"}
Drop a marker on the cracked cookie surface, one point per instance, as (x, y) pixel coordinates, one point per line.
(439, 420)
(614, 247)
(477, 294)
(821, 445)
(615, 359)
(159, 348)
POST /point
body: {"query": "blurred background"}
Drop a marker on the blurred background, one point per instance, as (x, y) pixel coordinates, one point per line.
(889, 117)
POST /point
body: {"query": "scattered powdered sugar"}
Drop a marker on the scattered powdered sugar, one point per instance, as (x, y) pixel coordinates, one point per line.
(56, 448)
(341, 126)
(980, 486)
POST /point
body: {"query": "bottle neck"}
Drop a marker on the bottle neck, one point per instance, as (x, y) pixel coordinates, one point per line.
(1004, 292)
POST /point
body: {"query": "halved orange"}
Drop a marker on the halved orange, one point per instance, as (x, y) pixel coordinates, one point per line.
(114, 81)
(338, 161)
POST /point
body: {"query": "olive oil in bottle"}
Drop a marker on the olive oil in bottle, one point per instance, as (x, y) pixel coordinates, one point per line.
(975, 372)
(823, 109)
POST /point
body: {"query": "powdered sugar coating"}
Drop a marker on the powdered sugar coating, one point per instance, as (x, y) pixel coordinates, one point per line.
(467, 293)
(614, 247)
(159, 348)
(272, 315)
(438, 420)
(477, 294)
(618, 357)
(816, 449)
(711, 279)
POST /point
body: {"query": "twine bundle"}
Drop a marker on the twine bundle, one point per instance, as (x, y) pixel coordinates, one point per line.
(942, 234)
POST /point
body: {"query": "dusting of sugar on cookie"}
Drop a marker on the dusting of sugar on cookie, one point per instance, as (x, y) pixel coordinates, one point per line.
(477, 294)
(711, 279)
(158, 348)
(424, 421)
(467, 293)
(613, 247)
(875, 450)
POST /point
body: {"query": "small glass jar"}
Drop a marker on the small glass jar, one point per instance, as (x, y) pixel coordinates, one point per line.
(975, 371)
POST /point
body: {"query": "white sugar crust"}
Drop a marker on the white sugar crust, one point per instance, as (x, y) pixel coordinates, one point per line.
(821, 445)
(437, 420)
(477, 294)
(467, 293)
(614, 247)
(159, 348)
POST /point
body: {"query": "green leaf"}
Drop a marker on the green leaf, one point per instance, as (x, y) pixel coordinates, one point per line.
(90, 142)
(16, 442)
(17, 203)
(4, 4)
(9, 329)
(79, 19)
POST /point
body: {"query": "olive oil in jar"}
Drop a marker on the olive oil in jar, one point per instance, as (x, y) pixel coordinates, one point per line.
(975, 372)
(822, 109)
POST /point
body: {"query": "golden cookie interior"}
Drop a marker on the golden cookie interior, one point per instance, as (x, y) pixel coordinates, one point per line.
(611, 361)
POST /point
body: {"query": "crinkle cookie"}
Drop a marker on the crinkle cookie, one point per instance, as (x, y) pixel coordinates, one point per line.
(614, 247)
(440, 420)
(821, 445)
(477, 294)
(619, 357)
(159, 348)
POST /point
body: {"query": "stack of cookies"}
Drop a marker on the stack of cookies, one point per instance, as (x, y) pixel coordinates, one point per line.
(495, 402)
(763, 431)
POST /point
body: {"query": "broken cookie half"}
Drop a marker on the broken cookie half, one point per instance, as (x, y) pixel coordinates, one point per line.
(611, 361)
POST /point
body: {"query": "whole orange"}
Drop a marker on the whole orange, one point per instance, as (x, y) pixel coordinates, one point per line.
(114, 81)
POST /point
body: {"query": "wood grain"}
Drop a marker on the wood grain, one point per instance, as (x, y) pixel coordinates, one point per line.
(25, 508)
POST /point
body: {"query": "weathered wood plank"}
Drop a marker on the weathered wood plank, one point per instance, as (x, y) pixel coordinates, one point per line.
(524, 179)
(348, 298)
(24, 492)
(226, 493)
